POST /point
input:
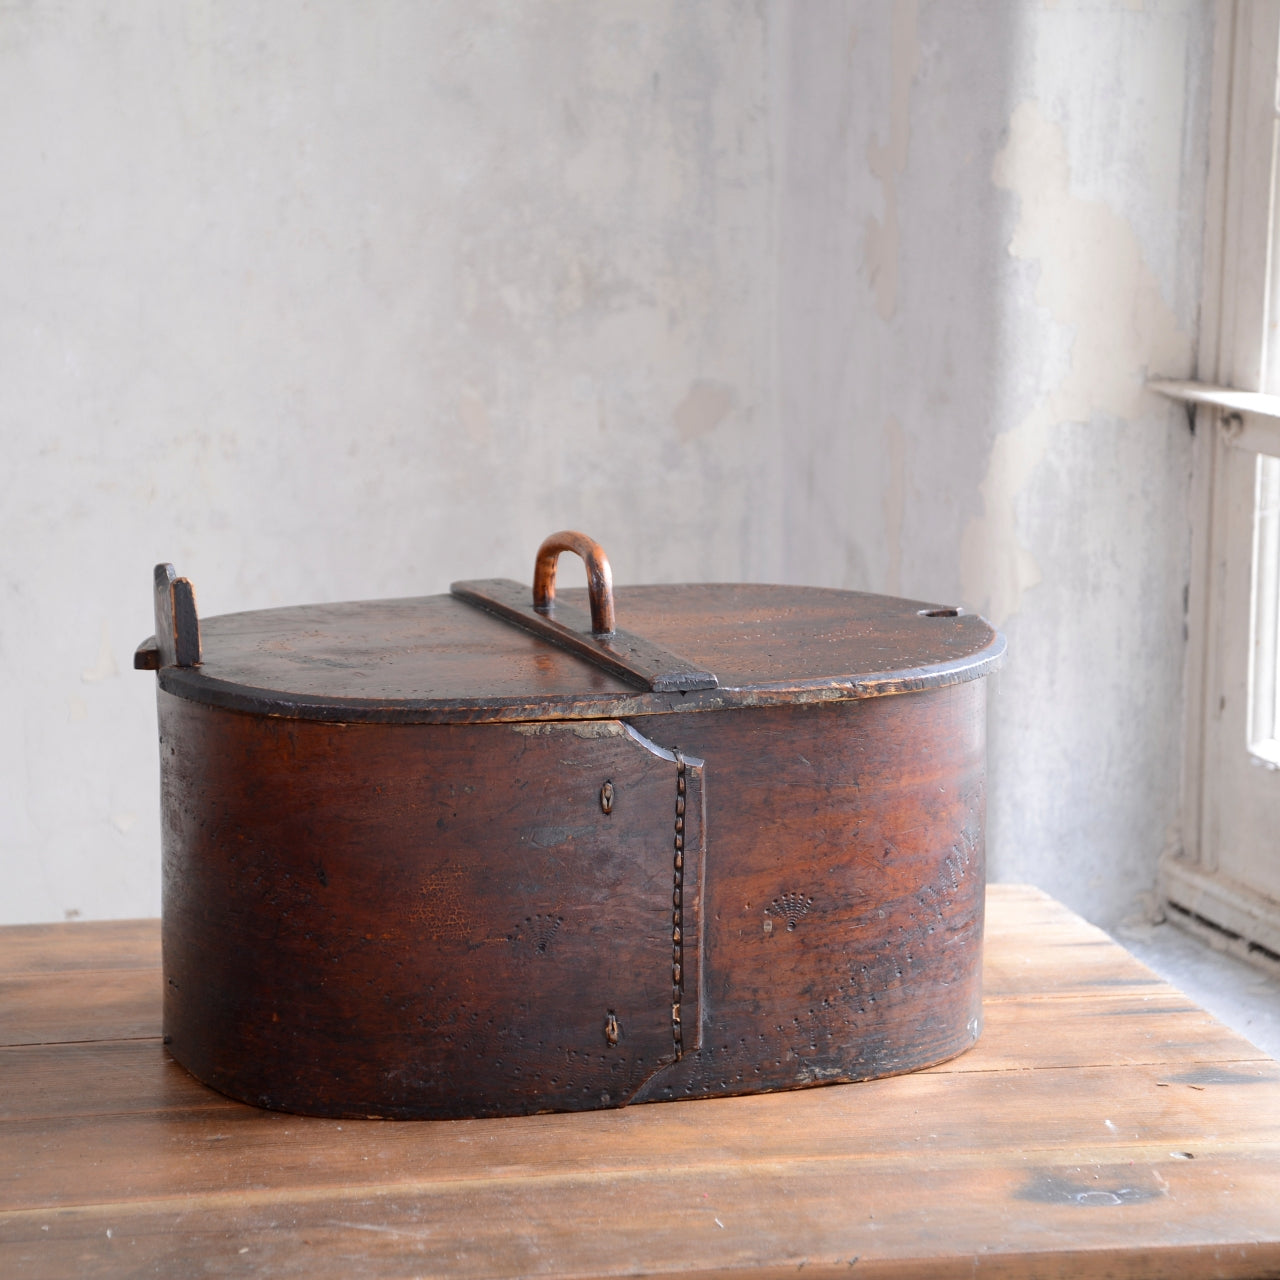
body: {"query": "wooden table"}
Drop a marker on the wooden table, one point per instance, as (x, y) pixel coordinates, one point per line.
(1104, 1125)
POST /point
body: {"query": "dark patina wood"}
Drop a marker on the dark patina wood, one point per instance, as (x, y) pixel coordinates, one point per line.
(433, 920)
(420, 861)
(634, 659)
(176, 642)
(438, 659)
(845, 889)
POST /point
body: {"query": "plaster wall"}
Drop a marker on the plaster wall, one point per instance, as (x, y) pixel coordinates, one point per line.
(332, 301)
(322, 302)
(993, 235)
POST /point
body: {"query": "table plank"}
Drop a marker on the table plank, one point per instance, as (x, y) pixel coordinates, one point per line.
(1075, 1217)
(96, 945)
(70, 1007)
(1151, 1027)
(89, 980)
(1103, 1125)
(141, 1156)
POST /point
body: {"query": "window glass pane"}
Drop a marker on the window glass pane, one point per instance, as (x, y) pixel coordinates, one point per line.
(1264, 652)
(1271, 307)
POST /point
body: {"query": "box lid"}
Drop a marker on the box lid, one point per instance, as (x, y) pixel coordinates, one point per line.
(494, 651)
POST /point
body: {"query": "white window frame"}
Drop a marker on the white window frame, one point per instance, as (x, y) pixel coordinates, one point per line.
(1201, 879)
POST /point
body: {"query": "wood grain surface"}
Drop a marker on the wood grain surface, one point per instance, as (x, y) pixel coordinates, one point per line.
(438, 659)
(421, 921)
(429, 928)
(1103, 1126)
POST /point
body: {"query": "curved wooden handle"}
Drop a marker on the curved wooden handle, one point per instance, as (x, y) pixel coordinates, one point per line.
(599, 577)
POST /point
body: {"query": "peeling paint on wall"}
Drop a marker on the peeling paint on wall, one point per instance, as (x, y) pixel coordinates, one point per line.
(887, 161)
(970, 425)
(1093, 280)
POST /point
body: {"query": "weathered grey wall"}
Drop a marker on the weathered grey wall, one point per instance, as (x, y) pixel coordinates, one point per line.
(990, 235)
(321, 301)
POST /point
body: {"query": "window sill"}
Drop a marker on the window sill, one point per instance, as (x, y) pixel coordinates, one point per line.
(1255, 402)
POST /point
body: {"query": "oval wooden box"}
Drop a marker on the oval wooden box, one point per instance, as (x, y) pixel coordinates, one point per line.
(468, 855)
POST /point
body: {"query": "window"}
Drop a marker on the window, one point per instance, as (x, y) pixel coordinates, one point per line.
(1224, 875)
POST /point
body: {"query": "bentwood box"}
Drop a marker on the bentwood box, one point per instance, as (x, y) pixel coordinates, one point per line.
(491, 852)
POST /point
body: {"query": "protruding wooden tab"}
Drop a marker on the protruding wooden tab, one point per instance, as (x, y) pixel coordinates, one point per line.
(177, 639)
(146, 657)
(622, 654)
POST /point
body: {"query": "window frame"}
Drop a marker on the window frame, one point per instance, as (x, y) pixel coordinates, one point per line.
(1232, 420)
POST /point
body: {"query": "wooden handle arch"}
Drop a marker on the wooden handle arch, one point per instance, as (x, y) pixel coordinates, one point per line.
(599, 577)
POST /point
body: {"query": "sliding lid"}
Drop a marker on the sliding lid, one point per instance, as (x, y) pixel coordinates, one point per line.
(491, 650)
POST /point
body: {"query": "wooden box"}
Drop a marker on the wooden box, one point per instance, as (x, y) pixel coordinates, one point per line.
(485, 854)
